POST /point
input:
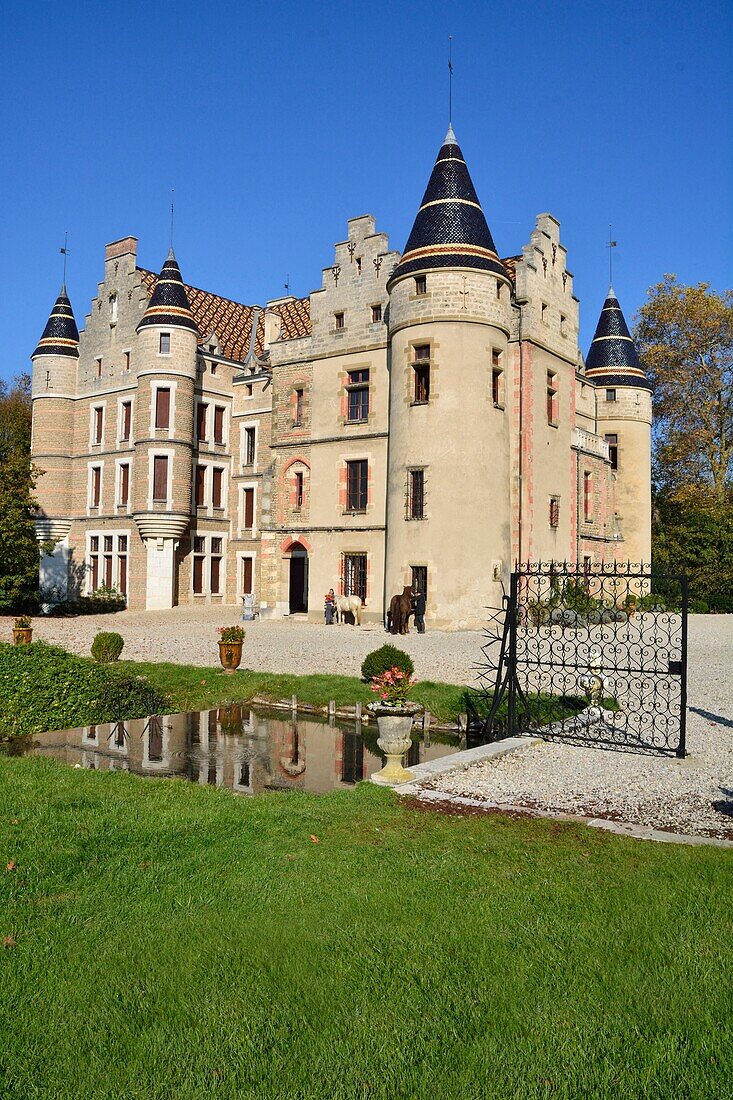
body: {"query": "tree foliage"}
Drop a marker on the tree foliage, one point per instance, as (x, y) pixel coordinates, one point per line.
(18, 546)
(684, 335)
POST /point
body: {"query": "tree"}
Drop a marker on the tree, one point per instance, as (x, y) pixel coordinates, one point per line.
(18, 546)
(684, 335)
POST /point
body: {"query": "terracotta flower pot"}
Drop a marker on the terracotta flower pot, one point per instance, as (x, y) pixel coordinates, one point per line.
(230, 655)
(22, 635)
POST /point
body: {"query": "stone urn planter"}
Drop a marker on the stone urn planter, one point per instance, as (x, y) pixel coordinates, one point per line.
(395, 726)
(231, 639)
(22, 631)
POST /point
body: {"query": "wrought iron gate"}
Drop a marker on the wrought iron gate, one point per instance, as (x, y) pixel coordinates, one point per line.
(588, 656)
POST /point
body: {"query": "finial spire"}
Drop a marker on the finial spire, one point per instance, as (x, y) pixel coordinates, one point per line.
(173, 197)
(610, 246)
(65, 252)
(450, 83)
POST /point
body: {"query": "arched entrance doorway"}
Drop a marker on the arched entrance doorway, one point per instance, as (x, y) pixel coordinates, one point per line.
(298, 594)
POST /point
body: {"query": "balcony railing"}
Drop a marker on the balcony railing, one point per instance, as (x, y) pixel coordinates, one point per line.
(590, 444)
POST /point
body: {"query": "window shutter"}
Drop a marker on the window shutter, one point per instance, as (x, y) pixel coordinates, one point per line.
(124, 483)
(162, 408)
(249, 507)
(160, 477)
(218, 424)
(126, 420)
(198, 575)
(96, 486)
(246, 576)
(200, 484)
(201, 422)
(216, 486)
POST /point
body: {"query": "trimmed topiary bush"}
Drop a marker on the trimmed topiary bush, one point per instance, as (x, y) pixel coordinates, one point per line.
(42, 687)
(384, 658)
(107, 647)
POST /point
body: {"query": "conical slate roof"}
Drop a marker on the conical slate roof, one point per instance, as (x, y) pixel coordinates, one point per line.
(450, 229)
(612, 359)
(169, 304)
(60, 336)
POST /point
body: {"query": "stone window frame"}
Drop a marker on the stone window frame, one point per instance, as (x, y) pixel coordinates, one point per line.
(420, 286)
(164, 354)
(209, 464)
(380, 319)
(125, 399)
(247, 532)
(339, 320)
(95, 509)
(161, 452)
(498, 379)
(347, 387)
(241, 556)
(414, 362)
(207, 556)
(225, 426)
(347, 511)
(554, 511)
(169, 432)
(409, 500)
(208, 404)
(552, 398)
(588, 489)
(251, 425)
(114, 533)
(120, 506)
(93, 408)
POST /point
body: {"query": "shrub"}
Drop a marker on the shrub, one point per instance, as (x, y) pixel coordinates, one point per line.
(698, 607)
(721, 602)
(231, 634)
(102, 601)
(382, 659)
(107, 647)
(43, 687)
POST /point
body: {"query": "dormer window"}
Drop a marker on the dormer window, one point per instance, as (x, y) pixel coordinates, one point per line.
(164, 347)
(421, 284)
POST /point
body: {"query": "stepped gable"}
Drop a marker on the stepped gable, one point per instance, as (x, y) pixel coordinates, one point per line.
(450, 229)
(232, 321)
(60, 336)
(612, 359)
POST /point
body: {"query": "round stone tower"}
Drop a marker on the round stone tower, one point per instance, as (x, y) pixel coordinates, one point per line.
(164, 430)
(624, 413)
(54, 387)
(450, 318)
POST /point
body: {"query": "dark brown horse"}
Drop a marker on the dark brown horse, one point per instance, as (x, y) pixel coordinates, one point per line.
(400, 609)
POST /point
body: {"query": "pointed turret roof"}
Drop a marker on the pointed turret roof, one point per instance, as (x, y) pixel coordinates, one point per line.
(169, 303)
(60, 336)
(612, 358)
(450, 229)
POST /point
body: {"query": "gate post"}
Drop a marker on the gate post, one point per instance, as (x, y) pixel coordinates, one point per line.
(512, 654)
(681, 748)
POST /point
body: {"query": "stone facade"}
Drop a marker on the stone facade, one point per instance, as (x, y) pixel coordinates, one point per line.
(401, 424)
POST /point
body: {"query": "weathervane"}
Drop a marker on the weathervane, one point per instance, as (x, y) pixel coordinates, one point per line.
(65, 252)
(610, 246)
(450, 79)
(173, 196)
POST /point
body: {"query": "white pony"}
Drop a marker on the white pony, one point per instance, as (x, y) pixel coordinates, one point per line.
(346, 604)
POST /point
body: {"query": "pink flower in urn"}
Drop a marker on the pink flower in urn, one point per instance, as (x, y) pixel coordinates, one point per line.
(384, 695)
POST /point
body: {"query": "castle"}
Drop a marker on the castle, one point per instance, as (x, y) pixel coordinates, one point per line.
(422, 418)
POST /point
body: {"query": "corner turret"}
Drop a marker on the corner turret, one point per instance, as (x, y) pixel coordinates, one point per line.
(612, 359)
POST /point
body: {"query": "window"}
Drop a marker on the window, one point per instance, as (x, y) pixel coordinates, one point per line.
(165, 343)
(113, 309)
(298, 503)
(95, 493)
(358, 265)
(552, 398)
(107, 564)
(563, 325)
(123, 498)
(217, 475)
(543, 313)
(554, 511)
(126, 361)
(250, 437)
(419, 579)
(218, 423)
(339, 321)
(248, 389)
(497, 379)
(376, 314)
(586, 564)
(498, 291)
(421, 374)
(356, 485)
(587, 496)
(421, 284)
(200, 482)
(160, 478)
(610, 395)
(248, 508)
(415, 494)
(98, 366)
(212, 367)
(126, 418)
(612, 441)
(247, 576)
(298, 412)
(354, 573)
(199, 552)
(201, 414)
(162, 407)
(215, 567)
(358, 395)
(97, 425)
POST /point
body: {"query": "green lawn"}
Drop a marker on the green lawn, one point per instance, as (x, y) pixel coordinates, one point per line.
(174, 941)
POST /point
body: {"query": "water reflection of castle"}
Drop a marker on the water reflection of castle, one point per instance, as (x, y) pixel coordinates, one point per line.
(233, 747)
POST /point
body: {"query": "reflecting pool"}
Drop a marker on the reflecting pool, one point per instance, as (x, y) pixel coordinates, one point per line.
(248, 751)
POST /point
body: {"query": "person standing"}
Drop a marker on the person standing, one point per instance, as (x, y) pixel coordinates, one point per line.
(418, 606)
(330, 606)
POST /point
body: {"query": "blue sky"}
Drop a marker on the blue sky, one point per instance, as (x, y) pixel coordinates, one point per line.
(275, 122)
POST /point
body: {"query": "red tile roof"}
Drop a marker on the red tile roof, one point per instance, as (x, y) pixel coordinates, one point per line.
(232, 321)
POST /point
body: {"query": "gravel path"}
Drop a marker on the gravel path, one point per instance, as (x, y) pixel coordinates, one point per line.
(662, 792)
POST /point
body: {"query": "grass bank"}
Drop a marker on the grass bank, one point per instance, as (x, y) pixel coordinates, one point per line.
(169, 940)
